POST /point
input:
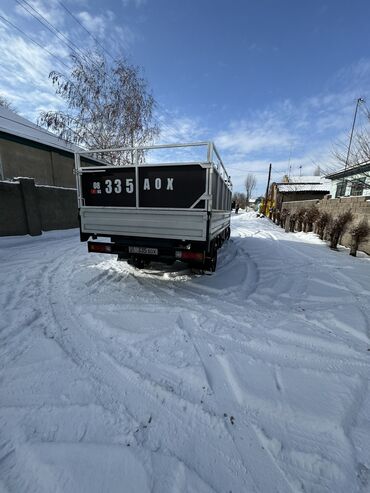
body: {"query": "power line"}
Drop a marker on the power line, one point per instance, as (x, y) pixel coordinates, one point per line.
(83, 27)
(50, 26)
(33, 41)
(68, 43)
(55, 31)
(106, 51)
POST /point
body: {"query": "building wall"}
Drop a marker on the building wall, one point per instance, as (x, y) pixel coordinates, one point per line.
(334, 183)
(12, 215)
(359, 206)
(47, 167)
(57, 207)
(26, 208)
(298, 196)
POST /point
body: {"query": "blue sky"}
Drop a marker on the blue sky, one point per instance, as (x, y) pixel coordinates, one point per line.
(268, 80)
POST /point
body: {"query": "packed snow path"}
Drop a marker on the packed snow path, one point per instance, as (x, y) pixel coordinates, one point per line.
(254, 379)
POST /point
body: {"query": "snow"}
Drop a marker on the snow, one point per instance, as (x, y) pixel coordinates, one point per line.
(254, 379)
(304, 187)
(308, 179)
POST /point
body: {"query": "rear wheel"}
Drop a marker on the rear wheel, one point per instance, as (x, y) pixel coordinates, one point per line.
(210, 263)
(139, 262)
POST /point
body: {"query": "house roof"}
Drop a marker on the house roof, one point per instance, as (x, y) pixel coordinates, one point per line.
(350, 170)
(304, 187)
(306, 179)
(308, 183)
(13, 124)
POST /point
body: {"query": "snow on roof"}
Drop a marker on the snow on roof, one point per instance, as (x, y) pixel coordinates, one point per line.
(304, 187)
(13, 124)
(350, 170)
(306, 179)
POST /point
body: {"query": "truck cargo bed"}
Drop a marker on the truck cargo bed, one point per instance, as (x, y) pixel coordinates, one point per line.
(186, 205)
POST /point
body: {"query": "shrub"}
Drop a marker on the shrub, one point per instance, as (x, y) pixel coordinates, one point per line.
(277, 217)
(338, 226)
(292, 221)
(300, 217)
(358, 232)
(283, 217)
(310, 216)
(322, 222)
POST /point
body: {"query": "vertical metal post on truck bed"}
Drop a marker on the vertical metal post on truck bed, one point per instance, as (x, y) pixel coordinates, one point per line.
(136, 163)
(78, 179)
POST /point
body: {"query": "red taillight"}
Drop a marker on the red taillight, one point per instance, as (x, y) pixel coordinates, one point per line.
(100, 248)
(189, 255)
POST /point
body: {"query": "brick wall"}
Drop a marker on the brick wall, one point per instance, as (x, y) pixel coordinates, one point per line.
(359, 206)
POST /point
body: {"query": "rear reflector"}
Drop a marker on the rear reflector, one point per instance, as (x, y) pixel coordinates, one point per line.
(189, 255)
(100, 247)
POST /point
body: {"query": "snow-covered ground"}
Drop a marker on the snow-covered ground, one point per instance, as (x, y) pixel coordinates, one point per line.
(118, 380)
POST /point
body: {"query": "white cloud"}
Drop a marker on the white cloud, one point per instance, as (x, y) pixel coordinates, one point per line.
(24, 70)
(49, 9)
(25, 67)
(104, 27)
(297, 134)
(96, 24)
(183, 129)
(245, 137)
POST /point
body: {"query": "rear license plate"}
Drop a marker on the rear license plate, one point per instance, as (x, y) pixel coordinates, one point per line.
(143, 250)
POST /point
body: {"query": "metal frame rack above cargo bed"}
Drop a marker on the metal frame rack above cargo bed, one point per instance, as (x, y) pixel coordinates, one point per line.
(142, 189)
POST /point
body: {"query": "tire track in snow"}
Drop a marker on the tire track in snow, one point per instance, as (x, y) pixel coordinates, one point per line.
(249, 413)
(280, 346)
(283, 352)
(116, 383)
(261, 465)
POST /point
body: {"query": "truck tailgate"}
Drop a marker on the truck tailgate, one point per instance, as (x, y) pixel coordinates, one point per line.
(157, 223)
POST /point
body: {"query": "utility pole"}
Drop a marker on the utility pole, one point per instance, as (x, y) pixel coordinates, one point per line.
(267, 190)
(359, 100)
(343, 183)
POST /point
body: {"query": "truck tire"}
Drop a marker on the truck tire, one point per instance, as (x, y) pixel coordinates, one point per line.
(139, 262)
(210, 263)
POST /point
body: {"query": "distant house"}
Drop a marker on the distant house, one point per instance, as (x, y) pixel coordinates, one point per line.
(29, 150)
(351, 181)
(298, 188)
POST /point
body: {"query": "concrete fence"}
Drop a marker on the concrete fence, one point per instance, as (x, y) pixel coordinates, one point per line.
(359, 206)
(26, 208)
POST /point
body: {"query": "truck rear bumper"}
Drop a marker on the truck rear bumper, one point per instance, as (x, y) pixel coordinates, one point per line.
(160, 253)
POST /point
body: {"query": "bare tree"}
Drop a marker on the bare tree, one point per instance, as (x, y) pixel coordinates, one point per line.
(359, 154)
(107, 105)
(317, 171)
(5, 103)
(239, 198)
(250, 184)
